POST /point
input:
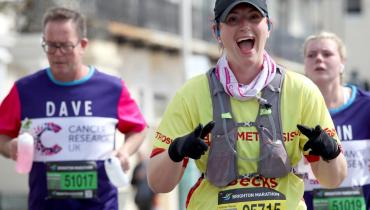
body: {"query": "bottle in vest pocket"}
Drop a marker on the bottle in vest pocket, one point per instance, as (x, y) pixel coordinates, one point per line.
(24, 153)
(115, 173)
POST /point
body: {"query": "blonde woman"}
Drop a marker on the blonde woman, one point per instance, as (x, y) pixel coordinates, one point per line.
(349, 107)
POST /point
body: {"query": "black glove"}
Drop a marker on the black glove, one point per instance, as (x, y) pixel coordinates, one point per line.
(320, 143)
(190, 145)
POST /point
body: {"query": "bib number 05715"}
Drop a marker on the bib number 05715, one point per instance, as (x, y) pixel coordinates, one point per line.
(262, 206)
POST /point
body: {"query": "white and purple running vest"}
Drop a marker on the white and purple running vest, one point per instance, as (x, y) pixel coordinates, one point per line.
(352, 122)
(71, 122)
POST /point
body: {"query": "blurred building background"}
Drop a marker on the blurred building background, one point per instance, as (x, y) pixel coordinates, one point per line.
(155, 45)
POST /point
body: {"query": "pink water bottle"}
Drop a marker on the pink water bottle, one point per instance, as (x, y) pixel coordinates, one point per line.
(25, 153)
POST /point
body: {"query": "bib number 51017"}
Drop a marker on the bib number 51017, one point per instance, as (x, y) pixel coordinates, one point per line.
(84, 180)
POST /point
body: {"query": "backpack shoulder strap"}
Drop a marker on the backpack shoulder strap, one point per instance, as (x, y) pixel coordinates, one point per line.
(221, 104)
(272, 94)
(223, 137)
(274, 159)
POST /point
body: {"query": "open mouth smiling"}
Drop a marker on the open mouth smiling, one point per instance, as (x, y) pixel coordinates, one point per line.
(246, 44)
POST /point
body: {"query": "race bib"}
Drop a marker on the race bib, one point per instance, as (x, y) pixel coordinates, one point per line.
(251, 199)
(78, 180)
(348, 198)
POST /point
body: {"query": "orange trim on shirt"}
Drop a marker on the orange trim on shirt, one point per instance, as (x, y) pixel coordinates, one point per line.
(191, 191)
(157, 151)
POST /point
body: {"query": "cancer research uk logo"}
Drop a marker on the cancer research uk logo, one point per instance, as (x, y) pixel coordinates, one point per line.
(39, 131)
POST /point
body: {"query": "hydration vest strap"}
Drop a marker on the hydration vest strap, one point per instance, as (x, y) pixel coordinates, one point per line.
(221, 150)
(223, 146)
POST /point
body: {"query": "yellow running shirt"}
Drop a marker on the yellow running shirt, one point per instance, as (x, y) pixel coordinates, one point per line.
(301, 103)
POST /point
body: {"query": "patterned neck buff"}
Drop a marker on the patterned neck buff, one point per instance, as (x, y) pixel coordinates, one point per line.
(240, 91)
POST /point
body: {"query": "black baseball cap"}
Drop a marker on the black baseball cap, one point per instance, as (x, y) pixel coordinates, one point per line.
(223, 7)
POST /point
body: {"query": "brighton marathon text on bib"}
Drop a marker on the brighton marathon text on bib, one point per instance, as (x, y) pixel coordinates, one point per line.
(348, 198)
(72, 179)
(251, 199)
